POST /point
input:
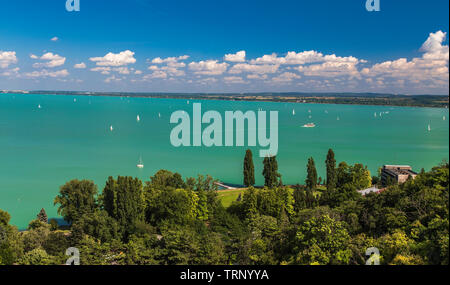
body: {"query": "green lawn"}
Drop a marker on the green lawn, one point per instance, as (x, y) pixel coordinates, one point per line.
(228, 196)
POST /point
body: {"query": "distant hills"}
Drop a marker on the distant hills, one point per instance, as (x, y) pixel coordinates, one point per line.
(424, 100)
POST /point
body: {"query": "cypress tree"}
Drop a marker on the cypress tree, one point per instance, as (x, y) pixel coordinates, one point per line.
(331, 170)
(42, 216)
(311, 178)
(249, 169)
(270, 172)
(266, 171)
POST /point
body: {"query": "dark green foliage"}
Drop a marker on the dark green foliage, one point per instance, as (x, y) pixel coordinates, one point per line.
(42, 216)
(311, 177)
(53, 224)
(409, 223)
(98, 225)
(249, 169)
(330, 163)
(123, 199)
(270, 172)
(76, 198)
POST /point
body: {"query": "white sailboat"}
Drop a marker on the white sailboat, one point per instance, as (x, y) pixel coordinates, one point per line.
(138, 119)
(429, 127)
(140, 163)
(39, 106)
(338, 119)
(293, 112)
(159, 115)
(111, 128)
(443, 118)
(375, 115)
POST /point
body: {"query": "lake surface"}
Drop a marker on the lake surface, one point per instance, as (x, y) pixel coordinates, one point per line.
(69, 137)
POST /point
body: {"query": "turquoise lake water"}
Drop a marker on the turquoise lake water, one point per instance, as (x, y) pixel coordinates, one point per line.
(69, 137)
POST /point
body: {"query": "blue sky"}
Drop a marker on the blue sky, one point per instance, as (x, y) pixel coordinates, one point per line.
(181, 46)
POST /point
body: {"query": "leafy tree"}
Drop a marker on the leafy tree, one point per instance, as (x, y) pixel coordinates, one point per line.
(36, 256)
(330, 163)
(249, 169)
(164, 178)
(323, 241)
(123, 199)
(76, 198)
(98, 225)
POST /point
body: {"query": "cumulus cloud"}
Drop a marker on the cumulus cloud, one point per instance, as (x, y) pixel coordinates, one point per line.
(209, 67)
(14, 72)
(112, 78)
(331, 69)
(236, 57)
(159, 60)
(7, 58)
(286, 77)
(156, 75)
(234, 80)
(102, 70)
(81, 65)
(51, 60)
(115, 59)
(253, 68)
(431, 68)
(45, 73)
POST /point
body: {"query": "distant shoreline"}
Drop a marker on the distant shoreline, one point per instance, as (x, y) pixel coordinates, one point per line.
(371, 99)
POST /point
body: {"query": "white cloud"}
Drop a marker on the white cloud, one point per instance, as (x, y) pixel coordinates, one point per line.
(269, 59)
(237, 57)
(234, 80)
(257, 76)
(112, 78)
(102, 70)
(115, 59)
(122, 70)
(11, 72)
(81, 65)
(286, 77)
(7, 58)
(156, 75)
(253, 68)
(159, 60)
(331, 69)
(45, 73)
(429, 70)
(209, 67)
(52, 60)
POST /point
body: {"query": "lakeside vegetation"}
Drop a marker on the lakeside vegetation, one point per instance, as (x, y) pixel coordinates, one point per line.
(167, 220)
(426, 100)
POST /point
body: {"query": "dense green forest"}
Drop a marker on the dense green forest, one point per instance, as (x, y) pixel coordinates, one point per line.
(169, 221)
